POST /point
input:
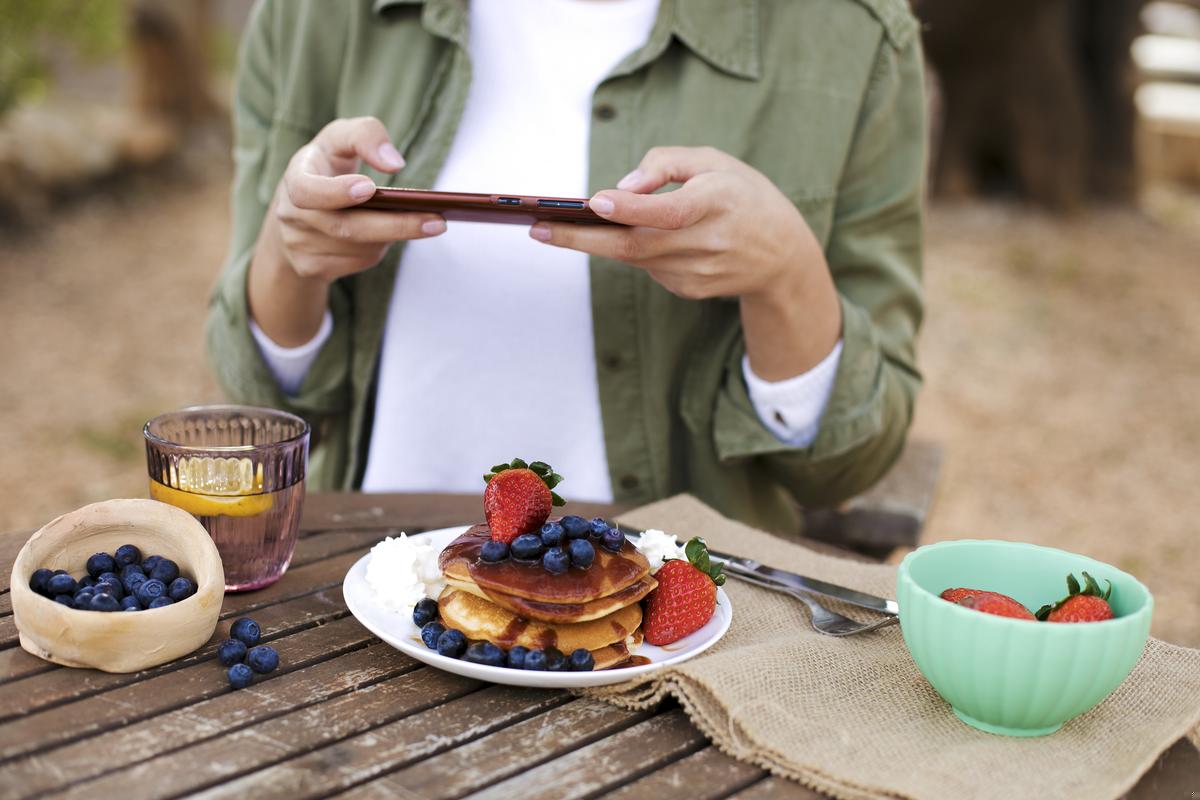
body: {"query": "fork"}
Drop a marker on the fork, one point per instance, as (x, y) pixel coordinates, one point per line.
(824, 621)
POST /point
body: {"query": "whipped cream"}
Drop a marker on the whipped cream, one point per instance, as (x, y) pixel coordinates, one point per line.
(402, 571)
(657, 547)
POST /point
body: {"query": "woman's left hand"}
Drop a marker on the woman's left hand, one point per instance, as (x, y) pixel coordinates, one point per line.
(726, 232)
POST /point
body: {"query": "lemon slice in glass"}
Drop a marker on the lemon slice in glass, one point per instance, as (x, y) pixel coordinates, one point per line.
(207, 505)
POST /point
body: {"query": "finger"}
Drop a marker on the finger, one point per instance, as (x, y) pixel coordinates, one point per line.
(631, 245)
(663, 165)
(359, 138)
(375, 226)
(306, 187)
(681, 208)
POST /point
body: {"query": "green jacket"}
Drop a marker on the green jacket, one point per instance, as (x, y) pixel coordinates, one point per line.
(825, 97)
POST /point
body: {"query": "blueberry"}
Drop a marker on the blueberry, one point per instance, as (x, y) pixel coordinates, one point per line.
(425, 611)
(581, 661)
(159, 602)
(132, 569)
(598, 526)
(61, 584)
(37, 581)
(149, 562)
(65, 599)
(87, 580)
(451, 643)
(516, 657)
(130, 603)
(100, 563)
(83, 597)
(262, 659)
(485, 653)
(535, 659)
(230, 652)
(493, 550)
(556, 561)
(104, 602)
(246, 631)
(430, 632)
(165, 570)
(527, 546)
(555, 660)
(127, 554)
(108, 575)
(613, 539)
(134, 607)
(240, 676)
(552, 534)
(576, 527)
(132, 582)
(582, 553)
(181, 589)
(150, 590)
(112, 587)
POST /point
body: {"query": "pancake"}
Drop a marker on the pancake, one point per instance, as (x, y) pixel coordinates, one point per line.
(481, 619)
(560, 613)
(609, 573)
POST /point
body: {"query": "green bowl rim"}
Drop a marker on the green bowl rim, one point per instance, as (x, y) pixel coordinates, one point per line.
(902, 574)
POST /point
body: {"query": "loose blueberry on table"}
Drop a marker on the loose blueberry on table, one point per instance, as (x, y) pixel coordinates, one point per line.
(246, 631)
(120, 581)
(243, 663)
(240, 676)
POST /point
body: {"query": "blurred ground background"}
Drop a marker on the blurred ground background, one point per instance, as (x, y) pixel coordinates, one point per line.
(1060, 350)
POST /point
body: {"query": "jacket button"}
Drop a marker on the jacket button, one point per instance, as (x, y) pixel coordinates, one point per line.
(605, 112)
(629, 482)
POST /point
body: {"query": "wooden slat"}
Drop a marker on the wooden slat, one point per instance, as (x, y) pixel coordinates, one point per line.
(63, 684)
(604, 764)
(121, 706)
(773, 788)
(47, 770)
(353, 760)
(706, 774)
(274, 740)
(15, 664)
(11, 543)
(322, 545)
(5, 604)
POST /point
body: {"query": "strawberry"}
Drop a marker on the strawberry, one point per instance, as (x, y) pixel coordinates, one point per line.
(987, 602)
(685, 598)
(518, 498)
(995, 603)
(1088, 604)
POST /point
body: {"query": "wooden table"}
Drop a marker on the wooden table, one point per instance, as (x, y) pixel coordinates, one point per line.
(346, 713)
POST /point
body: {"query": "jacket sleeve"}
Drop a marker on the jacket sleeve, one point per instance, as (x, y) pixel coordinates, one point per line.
(874, 254)
(264, 141)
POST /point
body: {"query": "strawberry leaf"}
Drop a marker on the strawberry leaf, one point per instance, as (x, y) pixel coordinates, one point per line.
(556, 500)
(1072, 584)
(553, 479)
(697, 553)
(540, 468)
(518, 463)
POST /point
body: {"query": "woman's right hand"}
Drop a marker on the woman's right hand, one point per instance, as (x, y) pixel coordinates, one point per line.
(312, 234)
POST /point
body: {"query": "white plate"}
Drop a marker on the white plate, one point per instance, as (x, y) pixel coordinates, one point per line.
(399, 631)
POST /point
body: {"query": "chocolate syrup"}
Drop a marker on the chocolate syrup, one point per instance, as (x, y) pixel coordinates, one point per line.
(530, 580)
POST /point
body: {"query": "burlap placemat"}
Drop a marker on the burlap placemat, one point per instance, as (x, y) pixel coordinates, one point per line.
(854, 718)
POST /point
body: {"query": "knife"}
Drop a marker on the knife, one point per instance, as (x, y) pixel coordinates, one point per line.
(748, 566)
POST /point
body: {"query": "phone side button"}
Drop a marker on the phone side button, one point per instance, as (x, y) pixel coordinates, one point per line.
(509, 201)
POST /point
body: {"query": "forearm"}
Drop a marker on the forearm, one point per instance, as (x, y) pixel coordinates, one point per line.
(793, 324)
(287, 307)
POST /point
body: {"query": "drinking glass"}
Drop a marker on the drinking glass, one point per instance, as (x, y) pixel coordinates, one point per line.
(240, 471)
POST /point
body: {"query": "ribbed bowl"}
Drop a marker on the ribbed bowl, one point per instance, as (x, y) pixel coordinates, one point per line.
(1012, 676)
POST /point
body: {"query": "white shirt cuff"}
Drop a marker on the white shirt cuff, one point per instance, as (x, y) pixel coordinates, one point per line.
(791, 409)
(290, 365)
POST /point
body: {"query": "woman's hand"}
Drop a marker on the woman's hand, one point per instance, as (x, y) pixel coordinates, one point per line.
(312, 235)
(726, 232)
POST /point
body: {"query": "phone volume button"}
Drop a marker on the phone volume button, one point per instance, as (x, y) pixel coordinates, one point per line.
(509, 201)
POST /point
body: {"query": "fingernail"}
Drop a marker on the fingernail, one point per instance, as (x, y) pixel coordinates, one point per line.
(432, 227)
(390, 156)
(601, 205)
(361, 190)
(540, 232)
(632, 179)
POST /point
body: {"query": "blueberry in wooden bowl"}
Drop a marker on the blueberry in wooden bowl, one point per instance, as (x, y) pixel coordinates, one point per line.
(117, 642)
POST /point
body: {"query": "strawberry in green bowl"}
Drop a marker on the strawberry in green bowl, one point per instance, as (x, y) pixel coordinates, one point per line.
(1003, 668)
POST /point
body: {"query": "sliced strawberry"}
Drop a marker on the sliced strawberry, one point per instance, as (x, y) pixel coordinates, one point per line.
(995, 603)
(685, 598)
(518, 498)
(1086, 604)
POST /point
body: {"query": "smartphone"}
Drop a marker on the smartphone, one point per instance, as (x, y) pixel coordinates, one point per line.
(516, 209)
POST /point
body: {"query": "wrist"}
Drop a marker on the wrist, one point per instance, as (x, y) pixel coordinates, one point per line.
(286, 305)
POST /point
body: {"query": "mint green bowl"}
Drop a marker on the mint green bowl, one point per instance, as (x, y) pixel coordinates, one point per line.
(1011, 676)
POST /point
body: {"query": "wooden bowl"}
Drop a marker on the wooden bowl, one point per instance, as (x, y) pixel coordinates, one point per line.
(118, 642)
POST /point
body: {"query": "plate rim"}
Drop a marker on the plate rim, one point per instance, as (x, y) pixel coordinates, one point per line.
(513, 677)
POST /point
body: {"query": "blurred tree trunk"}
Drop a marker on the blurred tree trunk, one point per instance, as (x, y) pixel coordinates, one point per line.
(1037, 97)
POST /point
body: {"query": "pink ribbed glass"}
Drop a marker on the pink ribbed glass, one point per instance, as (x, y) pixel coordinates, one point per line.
(240, 471)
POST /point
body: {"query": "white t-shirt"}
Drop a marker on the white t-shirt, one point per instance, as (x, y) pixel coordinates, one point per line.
(488, 350)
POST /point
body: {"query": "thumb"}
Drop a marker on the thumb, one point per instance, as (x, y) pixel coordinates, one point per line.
(365, 138)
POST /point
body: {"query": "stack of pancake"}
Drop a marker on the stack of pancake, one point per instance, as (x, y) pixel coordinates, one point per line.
(511, 603)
